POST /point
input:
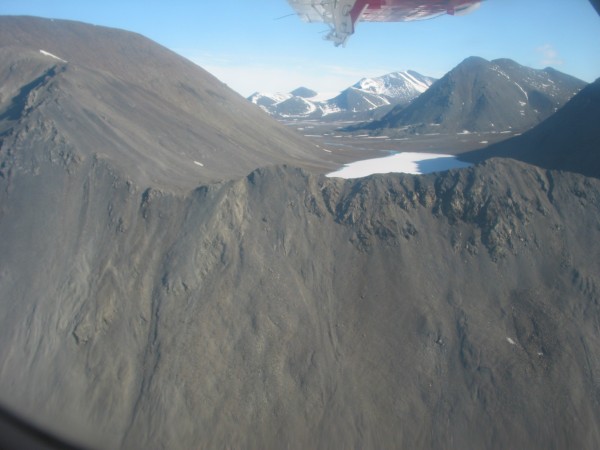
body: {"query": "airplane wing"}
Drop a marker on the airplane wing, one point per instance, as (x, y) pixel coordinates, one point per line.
(342, 15)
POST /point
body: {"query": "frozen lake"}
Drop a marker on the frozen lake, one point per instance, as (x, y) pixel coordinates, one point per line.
(415, 163)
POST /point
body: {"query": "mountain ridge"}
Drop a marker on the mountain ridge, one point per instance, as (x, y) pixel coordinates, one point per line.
(366, 98)
(482, 96)
(262, 233)
(161, 130)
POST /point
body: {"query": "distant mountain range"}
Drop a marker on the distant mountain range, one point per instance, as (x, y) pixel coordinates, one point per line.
(482, 96)
(364, 100)
(476, 96)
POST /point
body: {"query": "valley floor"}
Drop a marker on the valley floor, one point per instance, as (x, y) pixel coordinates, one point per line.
(344, 148)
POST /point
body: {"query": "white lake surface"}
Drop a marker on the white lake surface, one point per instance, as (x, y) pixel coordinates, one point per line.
(406, 162)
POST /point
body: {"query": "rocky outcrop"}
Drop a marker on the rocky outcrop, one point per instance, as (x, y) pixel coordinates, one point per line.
(283, 302)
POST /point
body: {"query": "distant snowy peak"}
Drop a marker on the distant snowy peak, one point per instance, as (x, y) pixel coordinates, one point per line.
(357, 101)
(301, 102)
(304, 92)
(396, 84)
(393, 89)
(297, 106)
(267, 100)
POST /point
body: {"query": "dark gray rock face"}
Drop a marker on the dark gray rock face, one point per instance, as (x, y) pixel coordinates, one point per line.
(282, 308)
(480, 95)
(288, 307)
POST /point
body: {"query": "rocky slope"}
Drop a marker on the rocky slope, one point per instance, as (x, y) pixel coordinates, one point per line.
(568, 140)
(483, 96)
(368, 98)
(117, 95)
(288, 308)
(283, 308)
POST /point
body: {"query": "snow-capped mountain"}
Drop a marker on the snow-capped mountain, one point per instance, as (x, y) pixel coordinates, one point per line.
(368, 98)
(396, 85)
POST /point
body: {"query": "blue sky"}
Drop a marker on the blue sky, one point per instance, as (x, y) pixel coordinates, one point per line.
(260, 46)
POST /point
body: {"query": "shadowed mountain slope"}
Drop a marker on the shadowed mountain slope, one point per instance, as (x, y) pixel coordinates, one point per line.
(480, 95)
(117, 95)
(568, 140)
(279, 308)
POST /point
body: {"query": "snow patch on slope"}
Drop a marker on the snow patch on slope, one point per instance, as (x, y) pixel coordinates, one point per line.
(44, 52)
(408, 162)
